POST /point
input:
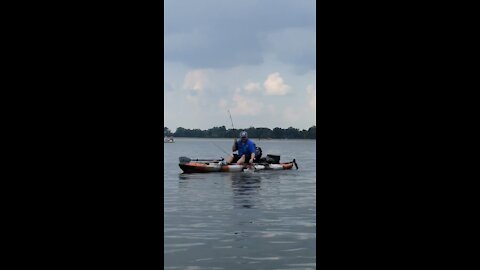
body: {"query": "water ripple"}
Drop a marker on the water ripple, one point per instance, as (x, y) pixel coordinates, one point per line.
(259, 220)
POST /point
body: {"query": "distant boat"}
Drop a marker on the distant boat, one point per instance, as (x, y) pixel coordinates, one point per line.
(168, 140)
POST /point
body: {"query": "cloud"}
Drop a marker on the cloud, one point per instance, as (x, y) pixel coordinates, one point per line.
(168, 87)
(252, 87)
(291, 115)
(193, 100)
(224, 34)
(274, 85)
(312, 96)
(196, 80)
(210, 48)
(246, 106)
(213, 48)
(294, 46)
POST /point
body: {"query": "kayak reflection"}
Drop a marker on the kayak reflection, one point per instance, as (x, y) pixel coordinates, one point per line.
(245, 189)
(244, 186)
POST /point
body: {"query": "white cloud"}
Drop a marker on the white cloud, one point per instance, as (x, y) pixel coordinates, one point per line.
(312, 96)
(193, 100)
(291, 115)
(274, 85)
(246, 106)
(196, 80)
(206, 59)
(252, 87)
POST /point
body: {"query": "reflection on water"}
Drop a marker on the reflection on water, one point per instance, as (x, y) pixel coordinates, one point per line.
(245, 187)
(245, 220)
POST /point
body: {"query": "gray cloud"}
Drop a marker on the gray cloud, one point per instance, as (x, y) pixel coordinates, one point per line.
(168, 87)
(295, 46)
(210, 49)
(227, 33)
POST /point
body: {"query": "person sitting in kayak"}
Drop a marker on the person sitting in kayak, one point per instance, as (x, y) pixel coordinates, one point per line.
(246, 150)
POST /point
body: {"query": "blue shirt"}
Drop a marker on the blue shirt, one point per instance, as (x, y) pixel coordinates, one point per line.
(246, 148)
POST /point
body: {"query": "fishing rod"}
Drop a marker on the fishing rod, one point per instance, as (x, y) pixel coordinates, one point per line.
(233, 127)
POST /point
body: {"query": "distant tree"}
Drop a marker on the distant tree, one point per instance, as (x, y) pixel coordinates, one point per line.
(198, 133)
(312, 133)
(180, 132)
(217, 132)
(291, 133)
(230, 133)
(277, 133)
(254, 133)
(264, 133)
(304, 133)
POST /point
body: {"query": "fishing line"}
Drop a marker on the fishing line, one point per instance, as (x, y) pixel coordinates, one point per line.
(220, 148)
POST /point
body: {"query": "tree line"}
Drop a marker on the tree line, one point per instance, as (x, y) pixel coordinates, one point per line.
(254, 133)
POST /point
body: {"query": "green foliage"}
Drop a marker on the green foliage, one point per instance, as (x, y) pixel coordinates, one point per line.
(312, 133)
(254, 133)
(278, 133)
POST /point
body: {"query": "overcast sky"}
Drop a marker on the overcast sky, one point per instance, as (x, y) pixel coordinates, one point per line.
(256, 58)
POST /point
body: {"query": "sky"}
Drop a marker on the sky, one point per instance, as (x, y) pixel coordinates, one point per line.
(254, 58)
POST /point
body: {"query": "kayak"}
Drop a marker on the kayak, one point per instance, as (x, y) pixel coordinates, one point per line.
(208, 167)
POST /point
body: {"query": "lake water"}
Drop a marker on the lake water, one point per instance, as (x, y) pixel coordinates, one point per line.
(246, 220)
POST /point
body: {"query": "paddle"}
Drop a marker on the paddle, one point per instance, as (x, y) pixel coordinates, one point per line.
(187, 159)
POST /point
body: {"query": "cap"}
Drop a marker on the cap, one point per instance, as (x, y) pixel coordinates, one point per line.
(243, 134)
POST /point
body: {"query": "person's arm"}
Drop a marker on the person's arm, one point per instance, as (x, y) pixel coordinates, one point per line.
(252, 150)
